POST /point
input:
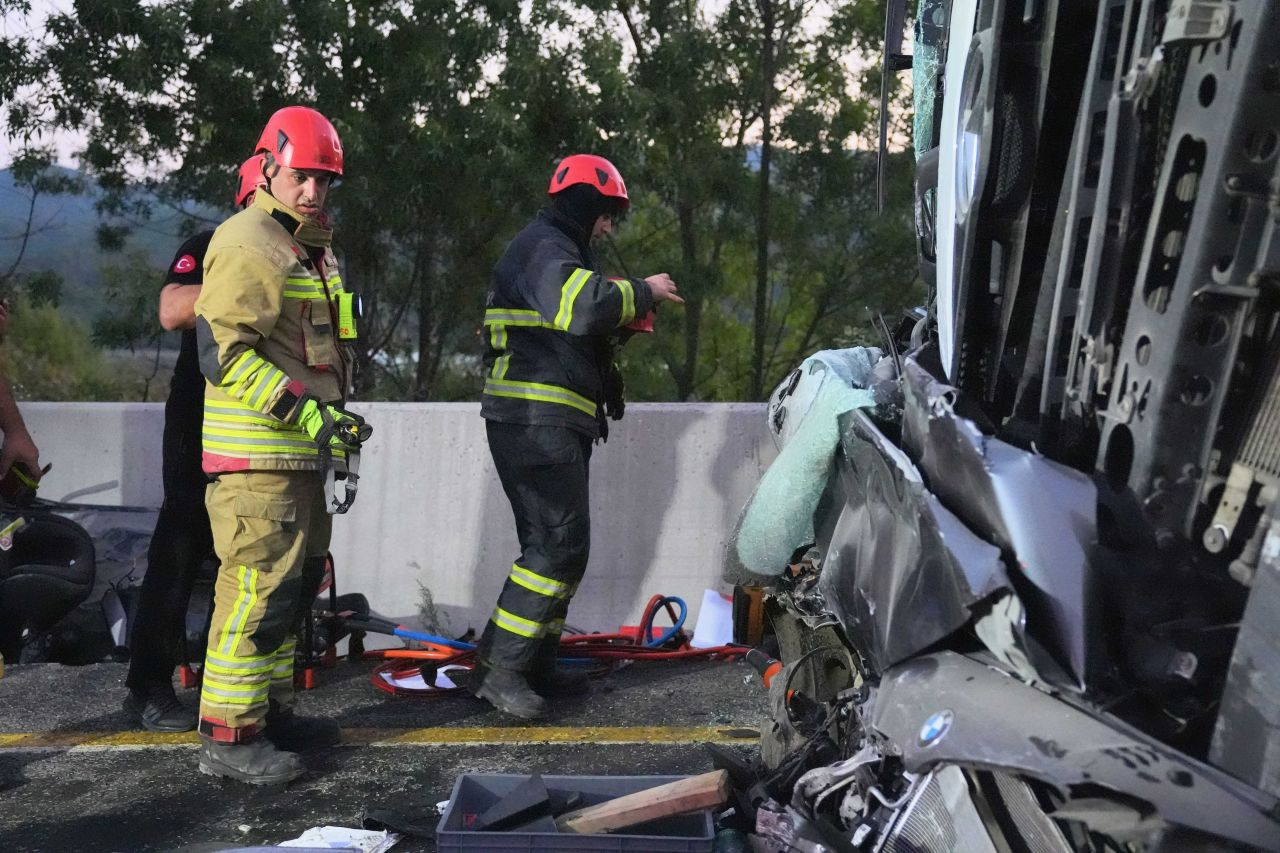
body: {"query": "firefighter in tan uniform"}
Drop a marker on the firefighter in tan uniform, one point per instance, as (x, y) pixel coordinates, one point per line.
(271, 320)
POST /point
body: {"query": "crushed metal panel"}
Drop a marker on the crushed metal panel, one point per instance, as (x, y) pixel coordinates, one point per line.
(986, 713)
(900, 571)
(1041, 512)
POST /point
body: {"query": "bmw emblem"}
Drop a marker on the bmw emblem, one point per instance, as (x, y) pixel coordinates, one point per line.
(936, 727)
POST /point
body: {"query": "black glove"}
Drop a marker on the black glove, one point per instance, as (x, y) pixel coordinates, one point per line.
(615, 402)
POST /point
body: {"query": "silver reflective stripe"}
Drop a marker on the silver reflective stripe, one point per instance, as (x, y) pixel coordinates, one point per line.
(515, 317)
(539, 391)
(248, 691)
(264, 441)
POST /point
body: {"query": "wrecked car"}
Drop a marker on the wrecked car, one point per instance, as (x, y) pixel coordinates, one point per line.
(1021, 560)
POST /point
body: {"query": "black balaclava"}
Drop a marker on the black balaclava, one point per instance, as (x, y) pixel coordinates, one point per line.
(580, 206)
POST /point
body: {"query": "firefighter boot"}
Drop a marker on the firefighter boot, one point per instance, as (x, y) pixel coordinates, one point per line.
(156, 708)
(551, 682)
(296, 733)
(256, 761)
(508, 690)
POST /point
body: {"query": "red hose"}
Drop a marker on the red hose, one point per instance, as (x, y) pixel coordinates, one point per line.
(617, 646)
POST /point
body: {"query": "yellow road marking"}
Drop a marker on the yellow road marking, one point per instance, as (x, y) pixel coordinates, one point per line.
(435, 736)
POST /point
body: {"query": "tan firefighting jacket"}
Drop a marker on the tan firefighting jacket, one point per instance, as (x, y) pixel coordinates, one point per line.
(266, 325)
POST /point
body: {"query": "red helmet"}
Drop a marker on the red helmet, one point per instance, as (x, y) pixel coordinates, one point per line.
(249, 179)
(592, 170)
(301, 138)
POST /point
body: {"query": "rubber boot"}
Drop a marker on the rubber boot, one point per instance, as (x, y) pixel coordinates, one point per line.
(508, 690)
(551, 682)
(295, 733)
(156, 708)
(256, 761)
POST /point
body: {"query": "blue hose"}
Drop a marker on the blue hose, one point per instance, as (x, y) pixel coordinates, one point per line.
(432, 638)
(647, 628)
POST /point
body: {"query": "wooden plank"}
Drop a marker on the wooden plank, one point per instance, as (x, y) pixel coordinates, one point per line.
(680, 797)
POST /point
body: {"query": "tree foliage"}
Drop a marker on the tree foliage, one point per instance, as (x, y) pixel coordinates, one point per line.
(737, 130)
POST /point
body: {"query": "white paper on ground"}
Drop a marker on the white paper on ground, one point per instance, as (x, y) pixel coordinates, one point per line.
(417, 682)
(344, 838)
(715, 621)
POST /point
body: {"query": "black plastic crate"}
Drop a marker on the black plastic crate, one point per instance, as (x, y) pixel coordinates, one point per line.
(474, 793)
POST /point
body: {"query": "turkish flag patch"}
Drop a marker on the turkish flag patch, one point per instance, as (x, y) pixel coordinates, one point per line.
(186, 263)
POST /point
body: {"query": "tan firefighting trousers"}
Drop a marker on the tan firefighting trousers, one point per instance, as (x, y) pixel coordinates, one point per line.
(267, 525)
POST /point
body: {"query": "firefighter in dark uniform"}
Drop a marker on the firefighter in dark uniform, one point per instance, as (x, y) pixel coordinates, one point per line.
(552, 323)
(182, 539)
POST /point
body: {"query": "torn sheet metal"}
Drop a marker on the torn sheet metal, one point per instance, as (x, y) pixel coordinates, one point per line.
(1039, 511)
(900, 570)
(1246, 738)
(950, 709)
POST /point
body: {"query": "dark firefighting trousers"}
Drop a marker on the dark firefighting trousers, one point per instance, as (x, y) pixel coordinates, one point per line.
(544, 471)
(181, 542)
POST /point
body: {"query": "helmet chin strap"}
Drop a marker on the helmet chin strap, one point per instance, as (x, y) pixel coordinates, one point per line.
(270, 169)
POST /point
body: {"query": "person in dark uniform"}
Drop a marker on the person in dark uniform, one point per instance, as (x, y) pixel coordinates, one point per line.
(182, 539)
(552, 322)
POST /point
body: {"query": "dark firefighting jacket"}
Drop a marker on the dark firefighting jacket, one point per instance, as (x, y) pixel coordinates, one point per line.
(550, 323)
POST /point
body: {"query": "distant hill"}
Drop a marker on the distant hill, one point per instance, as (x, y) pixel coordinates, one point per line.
(64, 241)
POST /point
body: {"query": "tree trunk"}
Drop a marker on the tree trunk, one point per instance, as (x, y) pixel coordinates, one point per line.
(425, 368)
(756, 389)
(693, 284)
(364, 377)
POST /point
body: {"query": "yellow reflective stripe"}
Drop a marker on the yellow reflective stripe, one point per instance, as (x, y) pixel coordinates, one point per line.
(254, 432)
(244, 449)
(628, 300)
(240, 366)
(225, 633)
(215, 697)
(500, 365)
(537, 391)
(235, 688)
(230, 661)
(234, 408)
(540, 584)
(569, 292)
(246, 376)
(507, 620)
(253, 394)
(303, 288)
(555, 626)
(270, 391)
(241, 416)
(245, 602)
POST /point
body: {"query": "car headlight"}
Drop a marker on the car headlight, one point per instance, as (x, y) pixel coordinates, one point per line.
(969, 139)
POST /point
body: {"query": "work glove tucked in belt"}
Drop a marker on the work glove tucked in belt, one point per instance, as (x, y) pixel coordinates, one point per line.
(332, 427)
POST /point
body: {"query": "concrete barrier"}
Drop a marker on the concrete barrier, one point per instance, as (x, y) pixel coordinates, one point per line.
(431, 537)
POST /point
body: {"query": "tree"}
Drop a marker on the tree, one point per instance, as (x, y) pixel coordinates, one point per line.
(734, 128)
(49, 357)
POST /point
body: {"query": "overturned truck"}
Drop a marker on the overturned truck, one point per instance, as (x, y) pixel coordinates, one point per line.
(1023, 562)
